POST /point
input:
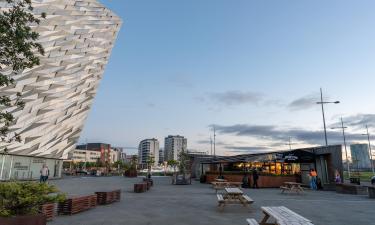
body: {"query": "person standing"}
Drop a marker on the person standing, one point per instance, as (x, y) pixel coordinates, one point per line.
(313, 181)
(255, 178)
(44, 173)
(337, 177)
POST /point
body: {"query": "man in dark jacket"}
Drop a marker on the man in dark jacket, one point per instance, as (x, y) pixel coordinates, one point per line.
(255, 178)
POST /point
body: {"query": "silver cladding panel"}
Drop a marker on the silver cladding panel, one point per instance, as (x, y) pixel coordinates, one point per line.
(78, 37)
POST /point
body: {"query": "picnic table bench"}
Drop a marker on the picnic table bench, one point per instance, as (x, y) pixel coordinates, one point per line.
(222, 185)
(292, 187)
(283, 216)
(233, 196)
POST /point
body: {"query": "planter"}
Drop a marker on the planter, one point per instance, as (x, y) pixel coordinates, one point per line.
(130, 173)
(351, 189)
(48, 210)
(149, 180)
(24, 220)
(77, 204)
(371, 192)
(140, 187)
(104, 198)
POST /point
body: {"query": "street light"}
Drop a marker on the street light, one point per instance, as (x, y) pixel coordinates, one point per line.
(324, 119)
(369, 147)
(346, 152)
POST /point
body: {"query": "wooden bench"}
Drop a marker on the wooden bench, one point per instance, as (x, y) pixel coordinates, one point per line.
(108, 197)
(75, 205)
(283, 216)
(284, 188)
(247, 199)
(252, 222)
(220, 200)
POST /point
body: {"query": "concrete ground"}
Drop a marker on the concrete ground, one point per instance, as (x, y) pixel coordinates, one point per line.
(196, 204)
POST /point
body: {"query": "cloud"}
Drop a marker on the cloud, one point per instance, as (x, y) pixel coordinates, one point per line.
(360, 121)
(273, 133)
(304, 102)
(248, 149)
(231, 98)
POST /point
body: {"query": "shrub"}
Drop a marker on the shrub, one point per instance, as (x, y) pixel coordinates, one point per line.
(25, 198)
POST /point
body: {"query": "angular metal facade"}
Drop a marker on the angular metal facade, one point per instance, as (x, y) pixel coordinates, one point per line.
(78, 37)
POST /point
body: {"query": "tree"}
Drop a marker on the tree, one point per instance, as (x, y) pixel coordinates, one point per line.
(150, 161)
(19, 50)
(184, 163)
(173, 163)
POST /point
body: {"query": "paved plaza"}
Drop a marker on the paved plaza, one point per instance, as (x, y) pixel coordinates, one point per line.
(196, 204)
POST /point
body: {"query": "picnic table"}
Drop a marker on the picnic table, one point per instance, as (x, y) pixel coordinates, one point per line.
(220, 180)
(292, 187)
(283, 216)
(221, 185)
(233, 196)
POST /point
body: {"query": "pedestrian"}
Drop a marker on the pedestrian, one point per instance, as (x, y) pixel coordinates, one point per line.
(313, 181)
(255, 178)
(44, 173)
(337, 177)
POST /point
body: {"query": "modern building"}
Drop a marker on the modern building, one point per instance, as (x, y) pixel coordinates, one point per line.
(173, 145)
(148, 148)
(360, 156)
(77, 37)
(161, 156)
(79, 155)
(276, 167)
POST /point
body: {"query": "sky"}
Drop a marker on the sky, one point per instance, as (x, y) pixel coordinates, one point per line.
(251, 69)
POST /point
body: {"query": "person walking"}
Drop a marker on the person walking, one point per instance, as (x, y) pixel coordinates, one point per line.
(255, 178)
(313, 180)
(44, 173)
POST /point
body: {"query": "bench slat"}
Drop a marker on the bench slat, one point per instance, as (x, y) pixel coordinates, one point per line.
(252, 222)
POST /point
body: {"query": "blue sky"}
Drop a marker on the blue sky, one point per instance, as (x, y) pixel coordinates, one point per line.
(252, 68)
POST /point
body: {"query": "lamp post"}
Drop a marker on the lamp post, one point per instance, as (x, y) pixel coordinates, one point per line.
(369, 147)
(346, 151)
(324, 119)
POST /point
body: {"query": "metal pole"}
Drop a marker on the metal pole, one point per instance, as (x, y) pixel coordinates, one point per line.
(324, 119)
(370, 151)
(211, 144)
(214, 141)
(346, 152)
(290, 144)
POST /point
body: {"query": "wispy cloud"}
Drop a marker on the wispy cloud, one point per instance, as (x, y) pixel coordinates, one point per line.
(359, 121)
(274, 133)
(231, 98)
(304, 102)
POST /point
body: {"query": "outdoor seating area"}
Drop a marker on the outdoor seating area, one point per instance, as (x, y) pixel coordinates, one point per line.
(188, 203)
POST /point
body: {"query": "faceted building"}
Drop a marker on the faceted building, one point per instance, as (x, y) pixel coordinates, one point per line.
(77, 37)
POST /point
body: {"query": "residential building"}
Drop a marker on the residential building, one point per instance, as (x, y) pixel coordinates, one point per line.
(360, 156)
(161, 156)
(148, 148)
(77, 37)
(173, 145)
(79, 155)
